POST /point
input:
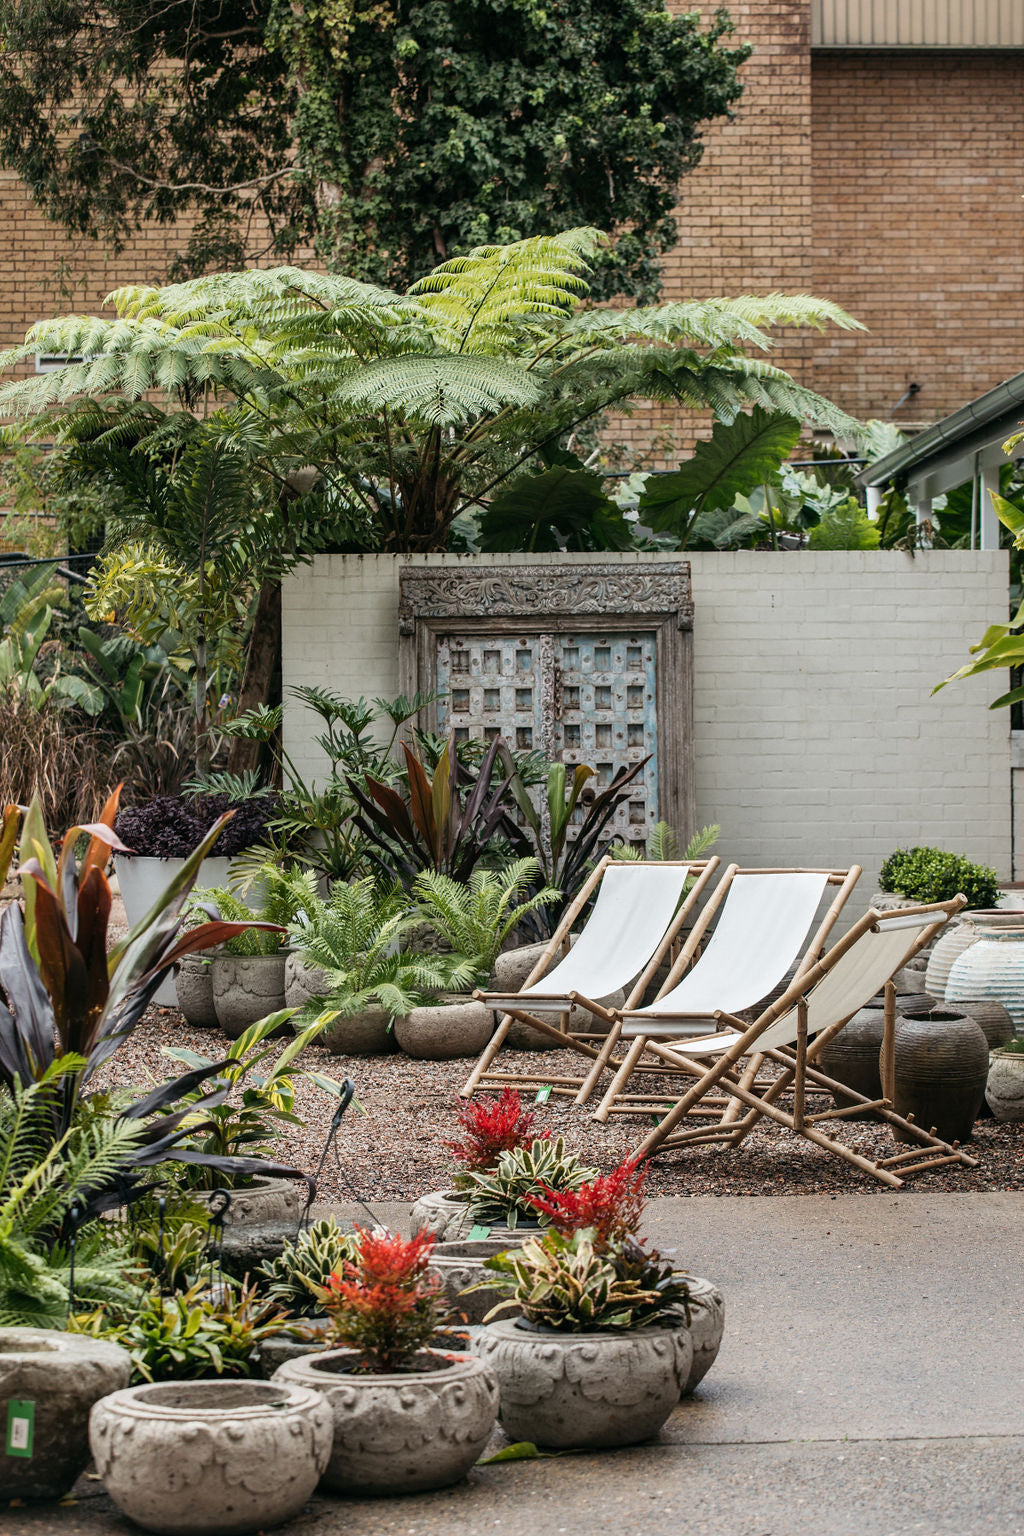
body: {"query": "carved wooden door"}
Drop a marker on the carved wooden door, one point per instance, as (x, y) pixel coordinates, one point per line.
(583, 697)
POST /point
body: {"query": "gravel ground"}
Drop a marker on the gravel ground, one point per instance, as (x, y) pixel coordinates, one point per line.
(395, 1150)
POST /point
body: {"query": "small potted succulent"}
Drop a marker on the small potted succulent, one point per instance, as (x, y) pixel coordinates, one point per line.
(407, 1417)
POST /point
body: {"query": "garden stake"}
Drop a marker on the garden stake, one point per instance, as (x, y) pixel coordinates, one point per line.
(348, 1089)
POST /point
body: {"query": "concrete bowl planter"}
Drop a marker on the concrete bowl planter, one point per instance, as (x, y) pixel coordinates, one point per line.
(302, 980)
(585, 1391)
(260, 1202)
(455, 1026)
(402, 1433)
(61, 1375)
(461, 1265)
(706, 1326)
(443, 1213)
(188, 1458)
(362, 1034)
(1005, 1088)
(193, 985)
(246, 988)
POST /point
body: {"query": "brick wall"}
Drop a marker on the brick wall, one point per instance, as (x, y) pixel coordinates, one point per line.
(816, 737)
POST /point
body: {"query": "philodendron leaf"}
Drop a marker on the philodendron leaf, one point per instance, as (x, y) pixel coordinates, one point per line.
(560, 508)
(738, 456)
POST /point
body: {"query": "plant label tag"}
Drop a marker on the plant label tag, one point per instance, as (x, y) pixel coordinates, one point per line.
(477, 1234)
(21, 1421)
(543, 1094)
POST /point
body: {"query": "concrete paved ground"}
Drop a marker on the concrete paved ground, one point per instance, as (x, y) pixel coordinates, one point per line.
(871, 1383)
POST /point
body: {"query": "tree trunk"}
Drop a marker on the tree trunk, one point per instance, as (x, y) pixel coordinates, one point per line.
(262, 661)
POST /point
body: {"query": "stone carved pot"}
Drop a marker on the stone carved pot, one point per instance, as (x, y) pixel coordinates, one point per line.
(443, 1213)
(246, 988)
(707, 1325)
(219, 1457)
(262, 1201)
(302, 981)
(193, 984)
(363, 1034)
(958, 936)
(1005, 1089)
(941, 1071)
(585, 1391)
(61, 1375)
(993, 969)
(461, 1265)
(444, 1030)
(401, 1433)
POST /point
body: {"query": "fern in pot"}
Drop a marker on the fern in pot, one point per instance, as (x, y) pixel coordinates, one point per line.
(477, 918)
(348, 958)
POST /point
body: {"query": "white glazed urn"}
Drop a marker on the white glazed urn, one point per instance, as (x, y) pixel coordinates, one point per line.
(992, 968)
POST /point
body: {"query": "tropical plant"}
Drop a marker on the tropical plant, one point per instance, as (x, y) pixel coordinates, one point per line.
(46, 1186)
(493, 1126)
(609, 1208)
(928, 874)
(503, 1194)
(1002, 645)
(846, 526)
(26, 616)
(446, 822)
(384, 1301)
(568, 1283)
(662, 843)
(277, 897)
(172, 826)
(355, 936)
(254, 1101)
(189, 1335)
(478, 916)
(295, 1278)
(414, 407)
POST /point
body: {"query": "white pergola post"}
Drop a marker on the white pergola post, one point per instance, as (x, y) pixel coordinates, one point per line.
(874, 501)
(988, 523)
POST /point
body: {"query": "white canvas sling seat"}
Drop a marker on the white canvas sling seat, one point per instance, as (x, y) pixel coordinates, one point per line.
(792, 1033)
(639, 909)
(762, 930)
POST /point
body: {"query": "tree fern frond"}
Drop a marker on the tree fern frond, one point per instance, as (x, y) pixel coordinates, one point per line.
(442, 391)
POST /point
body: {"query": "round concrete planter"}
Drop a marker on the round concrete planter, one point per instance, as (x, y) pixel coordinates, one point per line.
(444, 1030)
(142, 881)
(706, 1327)
(402, 1433)
(461, 1265)
(258, 1203)
(364, 1034)
(1005, 1088)
(193, 986)
(302, 981)
(280, 1348)
(246, 988)
(443, 1213)
(219, 1457)
(585, 1391)
(62, 1375)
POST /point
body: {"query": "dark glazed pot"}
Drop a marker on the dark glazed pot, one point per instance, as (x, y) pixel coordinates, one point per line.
(941, 1071)
(852, 1058)
(994, 1019)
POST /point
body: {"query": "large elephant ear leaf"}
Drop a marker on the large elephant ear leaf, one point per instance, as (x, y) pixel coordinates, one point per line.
(738, 456)
(561, 508)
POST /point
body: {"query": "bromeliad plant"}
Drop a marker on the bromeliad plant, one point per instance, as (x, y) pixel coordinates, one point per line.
(296, 1278)
(385, 1302)
(569, 1284)
(609, 1207)
(477, 917)
(505, 1194)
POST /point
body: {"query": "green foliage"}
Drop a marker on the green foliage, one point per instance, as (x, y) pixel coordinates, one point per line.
(928, 874)
(502, 1194)
(300, 1271)
(663, 844)
(559, 509)
(189, 1335)
(278, 897)
(478, 916)
(846, 526)
(565, 1283)
(1002, 645)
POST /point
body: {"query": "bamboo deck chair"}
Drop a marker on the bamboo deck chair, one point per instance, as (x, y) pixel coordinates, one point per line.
(639, 911)
(793, 1031)
(761, 932)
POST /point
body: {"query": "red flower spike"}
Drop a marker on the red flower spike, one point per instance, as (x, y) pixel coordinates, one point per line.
(612, 1205)
(386, 1302)
(493, 1126)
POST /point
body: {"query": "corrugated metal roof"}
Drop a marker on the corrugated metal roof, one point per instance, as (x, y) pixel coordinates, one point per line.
(917, 24)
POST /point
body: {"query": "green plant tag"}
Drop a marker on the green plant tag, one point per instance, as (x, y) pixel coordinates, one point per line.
(477, 1234)
(543, 1094)
(21, 1423)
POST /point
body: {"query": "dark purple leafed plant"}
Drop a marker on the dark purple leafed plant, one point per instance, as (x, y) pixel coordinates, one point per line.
(170, 827)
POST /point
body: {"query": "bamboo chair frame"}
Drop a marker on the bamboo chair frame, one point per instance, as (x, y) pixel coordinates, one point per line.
(483, 1077)
(616, 1100)
(799, 1078)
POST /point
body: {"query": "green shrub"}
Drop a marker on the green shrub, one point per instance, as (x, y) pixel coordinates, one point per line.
(928, 874)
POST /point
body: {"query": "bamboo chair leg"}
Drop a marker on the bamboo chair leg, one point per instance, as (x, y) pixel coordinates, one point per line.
(888, 1057)
(487, 1055)
(621, 1078)
(732, 1110)
(800, 1071)
(604, 1056)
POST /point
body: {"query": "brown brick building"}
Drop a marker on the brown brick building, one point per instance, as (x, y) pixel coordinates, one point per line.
(876, 158)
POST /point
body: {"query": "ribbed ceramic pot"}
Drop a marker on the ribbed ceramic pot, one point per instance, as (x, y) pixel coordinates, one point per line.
(193, 984)
(586, 1390)
(246, 988)
(57, 1377)
(852, 1058)
(993, 968)
(1005, 1090)
(211, 1458)
(401, 1433)
(941, 1072)
(995, 1021)
(958, 936)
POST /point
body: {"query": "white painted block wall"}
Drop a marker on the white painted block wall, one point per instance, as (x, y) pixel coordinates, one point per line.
(817, 740)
